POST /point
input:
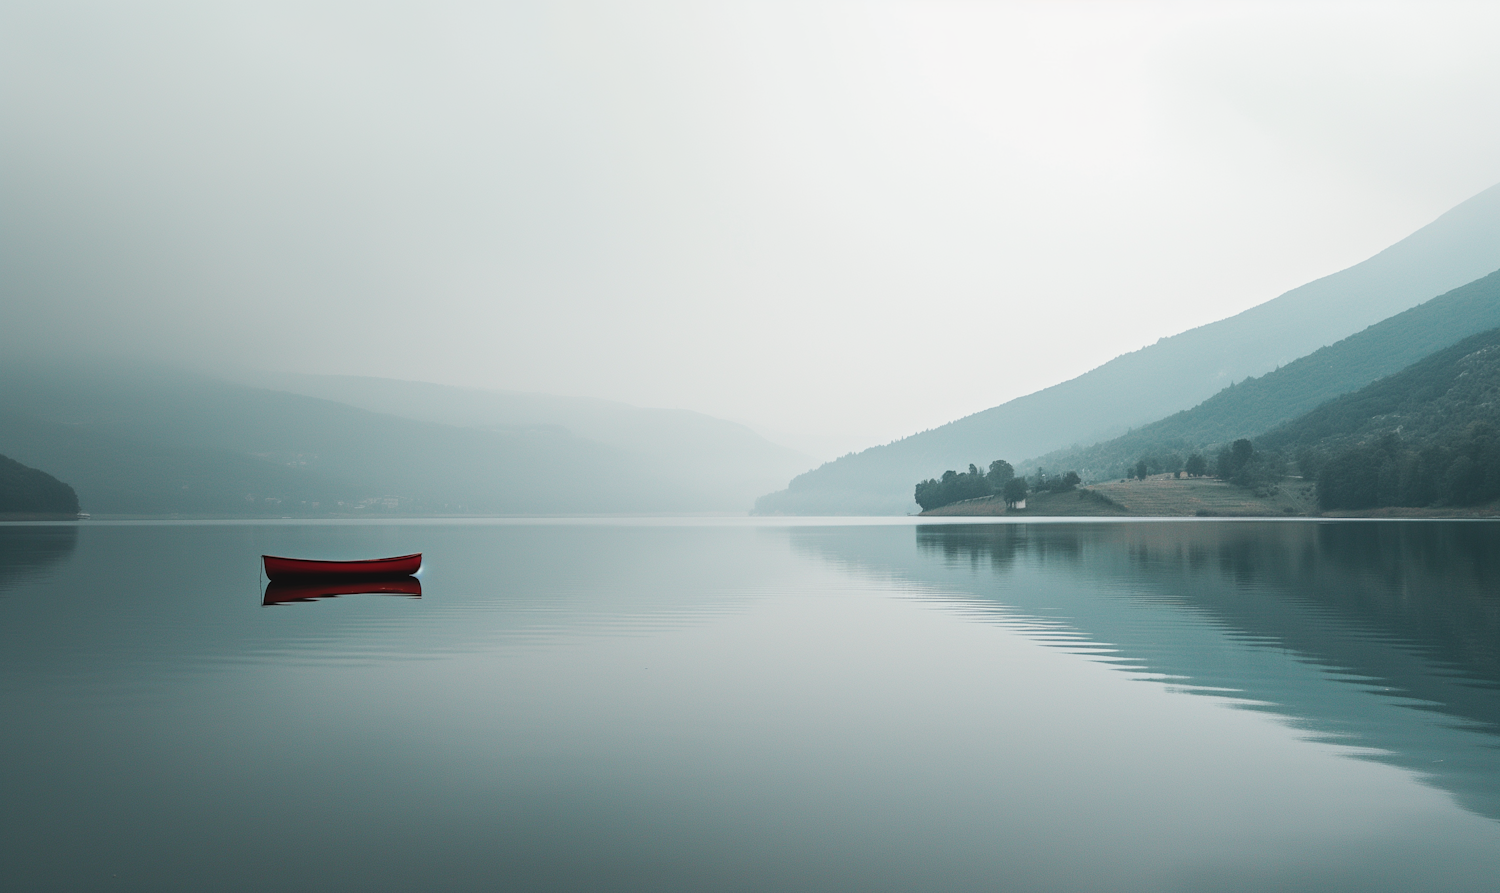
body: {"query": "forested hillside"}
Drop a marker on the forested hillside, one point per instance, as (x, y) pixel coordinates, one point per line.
(1172, 375)
(1256, 405)
(1428, 435)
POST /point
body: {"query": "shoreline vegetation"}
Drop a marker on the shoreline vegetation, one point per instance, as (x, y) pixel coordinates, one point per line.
(1160, 495)
(1163, 496)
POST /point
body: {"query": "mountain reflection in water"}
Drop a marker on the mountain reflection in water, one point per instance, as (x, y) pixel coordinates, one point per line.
(30, 551)
(1384, 636)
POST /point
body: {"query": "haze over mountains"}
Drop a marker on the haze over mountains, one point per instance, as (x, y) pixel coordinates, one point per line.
(146, 441)
(1174, 374)
(666, 442)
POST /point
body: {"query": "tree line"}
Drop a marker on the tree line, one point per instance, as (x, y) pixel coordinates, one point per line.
(1168, 463)
(1456, 468)
(1461, 470)
(1238, 463)
(1000, 480)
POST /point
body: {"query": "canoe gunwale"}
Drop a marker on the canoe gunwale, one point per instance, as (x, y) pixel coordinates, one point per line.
(281, 568)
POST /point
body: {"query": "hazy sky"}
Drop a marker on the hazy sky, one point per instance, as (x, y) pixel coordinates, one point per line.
(841, 222)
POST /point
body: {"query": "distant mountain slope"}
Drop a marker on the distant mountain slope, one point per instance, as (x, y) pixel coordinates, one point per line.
(1256, 405)
(1169, 376)
(124, 476)
(29, 491)
(142, 441)
(689, 446)
(1430, 434)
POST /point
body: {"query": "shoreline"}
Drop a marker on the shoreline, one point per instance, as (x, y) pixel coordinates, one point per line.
(1167, 497)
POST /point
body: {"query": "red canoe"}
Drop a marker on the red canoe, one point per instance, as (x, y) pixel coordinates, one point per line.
(302, 568)
(311, 588)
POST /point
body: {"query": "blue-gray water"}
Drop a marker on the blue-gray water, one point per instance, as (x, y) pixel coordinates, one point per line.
(722, 705)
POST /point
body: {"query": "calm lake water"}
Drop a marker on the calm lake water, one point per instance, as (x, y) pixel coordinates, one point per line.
(734, 705)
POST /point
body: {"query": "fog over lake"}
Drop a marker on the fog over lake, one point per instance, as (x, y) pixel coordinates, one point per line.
(1035, 445)
(836, 222)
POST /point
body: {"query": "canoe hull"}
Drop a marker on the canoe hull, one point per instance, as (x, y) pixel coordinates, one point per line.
(278, 568)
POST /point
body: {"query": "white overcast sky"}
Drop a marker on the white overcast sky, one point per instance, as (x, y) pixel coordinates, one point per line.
(840, 222)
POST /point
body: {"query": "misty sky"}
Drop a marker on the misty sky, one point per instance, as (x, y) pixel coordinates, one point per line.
(840, 222)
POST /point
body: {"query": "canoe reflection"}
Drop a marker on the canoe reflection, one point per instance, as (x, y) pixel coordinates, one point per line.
(284, 591)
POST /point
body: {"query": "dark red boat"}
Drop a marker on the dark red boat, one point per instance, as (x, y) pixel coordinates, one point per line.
(303, 568)
(306, 589)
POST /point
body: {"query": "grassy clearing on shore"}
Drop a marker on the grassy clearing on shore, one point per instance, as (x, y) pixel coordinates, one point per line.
(1165, 495)
(1159, 496)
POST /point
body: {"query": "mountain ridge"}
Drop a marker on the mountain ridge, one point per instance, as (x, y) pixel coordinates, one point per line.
(1256, 405)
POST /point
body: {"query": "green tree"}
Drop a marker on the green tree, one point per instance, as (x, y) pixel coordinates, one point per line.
(1233, 458)
(1014, 492)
